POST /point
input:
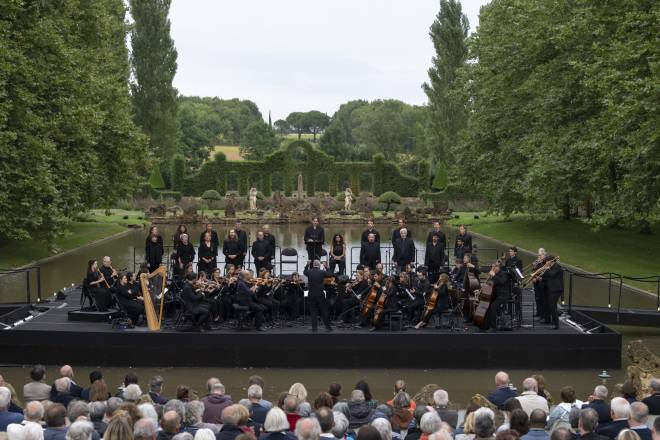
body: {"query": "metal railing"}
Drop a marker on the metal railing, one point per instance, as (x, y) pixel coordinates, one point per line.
(27, 280)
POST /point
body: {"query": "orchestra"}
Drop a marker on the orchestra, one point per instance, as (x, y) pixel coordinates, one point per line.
(330, 289)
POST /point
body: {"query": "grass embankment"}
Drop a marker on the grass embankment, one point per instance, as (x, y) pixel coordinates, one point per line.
(622, 251)
(94, 227)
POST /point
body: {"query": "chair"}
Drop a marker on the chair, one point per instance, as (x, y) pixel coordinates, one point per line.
(182, 314)
(292, 260)
(86, 295)
(242, 316)
(395, 319)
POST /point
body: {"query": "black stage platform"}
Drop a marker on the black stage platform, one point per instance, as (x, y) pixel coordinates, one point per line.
(50, 338)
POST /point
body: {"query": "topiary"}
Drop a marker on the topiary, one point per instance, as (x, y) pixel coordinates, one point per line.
(211, 196)
(156, 178)
(389, 198)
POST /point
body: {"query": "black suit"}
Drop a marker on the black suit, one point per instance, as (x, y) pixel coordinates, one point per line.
(317, 235)
(261, 248)
(554, 282)
(467, 242)
(396, 234)
(365, 235)
(611, 430)
(602, 408)
(442, 238)
(404, 252)
(434, 259)
(243, 241)
(502, 293)
(317, 301)
(192, 299)
(246, 297)
(370, 254)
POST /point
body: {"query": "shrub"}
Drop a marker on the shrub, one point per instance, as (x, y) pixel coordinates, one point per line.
(156, 178)
(389, 198)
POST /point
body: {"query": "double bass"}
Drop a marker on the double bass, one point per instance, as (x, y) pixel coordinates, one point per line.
(380, 306)
(485, 299)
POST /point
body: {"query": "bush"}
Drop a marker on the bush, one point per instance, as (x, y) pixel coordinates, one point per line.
(211, 197)
(389, 198)
(166, 194)
(440, 179)
(156, 178)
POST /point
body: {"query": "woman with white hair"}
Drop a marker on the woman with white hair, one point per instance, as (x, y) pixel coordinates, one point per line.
(430, 423)
(204, 434)
(299, 390)
(277, 426)
(384, 428)
(132, 393)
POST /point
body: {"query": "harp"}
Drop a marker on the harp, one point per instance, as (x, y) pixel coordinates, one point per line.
(153, 291)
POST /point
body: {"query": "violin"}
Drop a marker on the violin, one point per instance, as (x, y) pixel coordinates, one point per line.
(370, 300)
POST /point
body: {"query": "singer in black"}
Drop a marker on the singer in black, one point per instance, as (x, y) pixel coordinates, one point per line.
(242, 237)
(396, 233)
(370, 252)
(501, 292)
(214, 237)
(317, 301)
(370, 230)
(442, 238)
(554, 284)
(465, 238)
(185, 254)
(434, 257)
(154, 249)
(404, 251)
(232, 248)
(314, 239)
(261, 252)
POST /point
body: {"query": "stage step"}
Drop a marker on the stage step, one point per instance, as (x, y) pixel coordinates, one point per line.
(92, 316)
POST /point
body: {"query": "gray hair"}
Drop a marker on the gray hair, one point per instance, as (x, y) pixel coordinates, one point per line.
(530, 384)
(5, 398)
(34, 411)
(176, 406)
(204, 434)
(384, 428)
(601, 392)
(574, 417)
(655, 384)
(639, 412)
(440, 435)
(342, 407)
(194, 412)
(217, 388)
(96, 410)
(80, 431)
(276, 421)
(132, 393)
(77, 408)
(148, 411)
(183, 436)
(112, 405)
(341, 424)
(484, 426)
(430, 422)
(357, 396)
(441, 398)
(308, 428)
(62, 384)
(620, 408)
(588, 419)
(144, 429)
(485, 411)
(316, 263)
(255, 392)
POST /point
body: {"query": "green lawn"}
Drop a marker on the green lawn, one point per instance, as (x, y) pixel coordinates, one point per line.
(95, 227)
(605, 250)
(230, 151)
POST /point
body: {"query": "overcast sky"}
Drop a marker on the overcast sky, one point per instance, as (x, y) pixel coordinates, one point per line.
(299, 55)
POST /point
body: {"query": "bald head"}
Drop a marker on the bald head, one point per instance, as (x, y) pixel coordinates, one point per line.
(171, 422)
(34, 411)
(66, 371)
(502, 379)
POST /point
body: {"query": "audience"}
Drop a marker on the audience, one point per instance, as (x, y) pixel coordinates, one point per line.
(64, 411)
(653, 401)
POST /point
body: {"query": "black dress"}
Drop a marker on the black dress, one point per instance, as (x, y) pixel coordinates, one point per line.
(185, 253)
(127, 299)
(206, 252)
(232, 247)
(153, 253)
(337, 249)
(99, 292)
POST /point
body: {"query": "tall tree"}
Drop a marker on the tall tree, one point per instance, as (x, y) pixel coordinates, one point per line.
(153, 62)
(316, 121)
(298, 122)
(449, 33)
(258, 141)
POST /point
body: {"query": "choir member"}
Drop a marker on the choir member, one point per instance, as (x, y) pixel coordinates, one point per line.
(153, 251)
(185, 254)
(404, 251)
(465, 238)
(270, 238)
(232, 248)
(242, 238)
(314, 239)
(207, 254)
(434, 257)
(396, 233)
(338, 254)
(214, 237)
(176, 238)
(370, 230)
(261, 252)
(370, 252)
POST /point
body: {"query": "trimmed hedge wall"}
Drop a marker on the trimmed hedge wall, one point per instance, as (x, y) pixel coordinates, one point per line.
(316, 167)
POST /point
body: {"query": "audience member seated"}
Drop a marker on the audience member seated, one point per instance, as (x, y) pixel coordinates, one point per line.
(231, 423)
(308, 428)
(170, 424)
(363, 386)
(653, 401)
(415, 432)
(93, 377)
(144, 429)
(194, 414)
(429, 423)
(359, 409)
(74, 389)
(368, 432)
(400, 386)
(519, 421)
(214, 403)
(257, 380)
(588, 424)
(155, 390)
(656, 429)
(290, 407)
(96, 413)
(639, 414)
(530, 399)
(276, 426)
(55, 419)
(559, 413)
(340, 428)
(484, 426)
(6, 416)
(537, 422)
(326, 419)
(299, 390)
(402, 417)
(255, 393)
(82, 430)
(37, 389)
(503, 392)
(384, 428)
(510, 404)
(441, 401)
(619, 412)
(597, 403)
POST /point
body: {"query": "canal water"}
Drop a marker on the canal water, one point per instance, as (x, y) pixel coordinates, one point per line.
(128, 249)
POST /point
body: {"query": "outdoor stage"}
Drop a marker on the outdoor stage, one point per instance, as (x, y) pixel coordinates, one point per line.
(51, 338)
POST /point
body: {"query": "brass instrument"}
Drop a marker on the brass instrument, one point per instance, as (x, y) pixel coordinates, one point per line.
(541, 270)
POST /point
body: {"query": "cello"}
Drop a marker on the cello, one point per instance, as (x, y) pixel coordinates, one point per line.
(431, 302)
(485, 299)
(380, 306)
(370, 300)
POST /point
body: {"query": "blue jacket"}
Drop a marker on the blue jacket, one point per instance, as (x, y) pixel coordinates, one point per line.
(501, 395)
(7, 418)
(536, 434)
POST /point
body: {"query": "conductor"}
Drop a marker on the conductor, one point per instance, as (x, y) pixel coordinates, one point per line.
(317, 301)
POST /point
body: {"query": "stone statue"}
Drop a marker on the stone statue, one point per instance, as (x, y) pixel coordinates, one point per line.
(348, 199)
(230, 207)
(253, 199)
(300, 186)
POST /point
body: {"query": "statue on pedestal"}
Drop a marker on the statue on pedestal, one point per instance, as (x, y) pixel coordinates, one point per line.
(348, 199)
(253, 199)
(301, 194)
